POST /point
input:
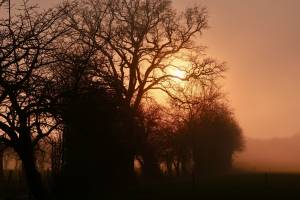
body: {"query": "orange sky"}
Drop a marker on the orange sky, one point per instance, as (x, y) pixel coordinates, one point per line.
(259, 40)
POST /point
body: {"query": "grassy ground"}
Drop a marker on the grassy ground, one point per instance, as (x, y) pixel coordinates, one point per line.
(237, 186)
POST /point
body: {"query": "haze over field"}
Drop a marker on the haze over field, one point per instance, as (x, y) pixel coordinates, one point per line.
(271, 155)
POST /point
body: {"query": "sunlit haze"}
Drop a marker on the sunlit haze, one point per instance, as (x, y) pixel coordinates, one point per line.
(259, 41)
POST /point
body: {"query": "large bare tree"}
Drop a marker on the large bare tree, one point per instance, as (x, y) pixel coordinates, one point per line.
(26, 45)
(133, 48)
(138, 42)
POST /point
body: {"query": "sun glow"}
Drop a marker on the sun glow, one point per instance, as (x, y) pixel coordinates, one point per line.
(178, 68)
(178, 73)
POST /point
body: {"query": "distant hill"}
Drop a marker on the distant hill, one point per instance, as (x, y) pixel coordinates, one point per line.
(271, 155)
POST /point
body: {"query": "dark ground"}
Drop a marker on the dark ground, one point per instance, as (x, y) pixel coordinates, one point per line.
(236, 186)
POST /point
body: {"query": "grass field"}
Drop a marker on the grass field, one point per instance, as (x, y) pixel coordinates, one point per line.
(236, 186)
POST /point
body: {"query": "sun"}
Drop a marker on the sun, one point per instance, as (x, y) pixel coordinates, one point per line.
(178, 67)
(178, 73)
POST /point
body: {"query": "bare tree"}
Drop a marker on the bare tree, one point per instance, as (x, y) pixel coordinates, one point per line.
(26, 43)
(134, 45)
(138, 41)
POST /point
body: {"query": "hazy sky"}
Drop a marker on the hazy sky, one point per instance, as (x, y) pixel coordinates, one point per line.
(259, 40)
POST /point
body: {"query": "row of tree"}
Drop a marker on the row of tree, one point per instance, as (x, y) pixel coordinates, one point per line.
(80, 77)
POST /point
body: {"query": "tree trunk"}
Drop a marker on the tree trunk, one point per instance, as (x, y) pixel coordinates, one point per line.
(177, 167)
(169, 167)
(33, 177)
(184, 170)
(123, 169)
(1, 166)
(151, 166)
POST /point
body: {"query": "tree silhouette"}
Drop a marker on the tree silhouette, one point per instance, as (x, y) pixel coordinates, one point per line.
(78, 77)
(93, 138)
(25, 47)
(214, 137)
(134, 44)
(137, 41)
(98, 126)
(151, 143)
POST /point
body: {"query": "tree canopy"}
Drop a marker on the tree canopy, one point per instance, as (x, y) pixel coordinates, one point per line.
(136, 42)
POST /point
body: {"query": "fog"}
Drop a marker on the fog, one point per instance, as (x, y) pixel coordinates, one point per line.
(270, 155)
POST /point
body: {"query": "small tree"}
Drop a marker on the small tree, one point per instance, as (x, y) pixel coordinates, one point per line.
(214, 137)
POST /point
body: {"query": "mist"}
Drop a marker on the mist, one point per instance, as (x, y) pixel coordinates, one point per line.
(277, 154)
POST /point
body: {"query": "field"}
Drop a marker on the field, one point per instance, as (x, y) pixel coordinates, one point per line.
(236, 186)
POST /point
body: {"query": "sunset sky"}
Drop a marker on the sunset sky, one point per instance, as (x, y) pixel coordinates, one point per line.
(259, 40)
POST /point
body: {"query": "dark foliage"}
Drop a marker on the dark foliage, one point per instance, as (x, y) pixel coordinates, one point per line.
(214, 137)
